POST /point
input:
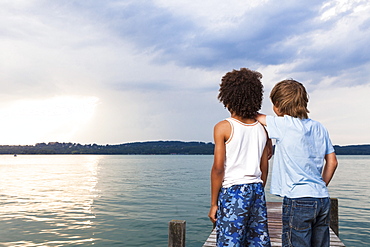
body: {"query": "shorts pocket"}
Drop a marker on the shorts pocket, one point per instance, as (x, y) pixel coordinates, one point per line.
(303, 214)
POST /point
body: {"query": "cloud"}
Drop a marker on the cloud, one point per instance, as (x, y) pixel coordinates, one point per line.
(343, 111)
(127, 116)
(155, 66)
(313, 37)
(180, 38)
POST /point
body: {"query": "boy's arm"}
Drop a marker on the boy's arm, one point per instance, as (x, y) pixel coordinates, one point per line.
(269, 142)
(218, 170)
(331, 164)
(264, 165)
(270, 149)
(261, 118)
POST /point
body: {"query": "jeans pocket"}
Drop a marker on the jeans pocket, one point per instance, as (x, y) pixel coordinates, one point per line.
(303, 214)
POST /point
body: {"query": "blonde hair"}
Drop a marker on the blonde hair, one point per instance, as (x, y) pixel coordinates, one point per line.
(291, 98)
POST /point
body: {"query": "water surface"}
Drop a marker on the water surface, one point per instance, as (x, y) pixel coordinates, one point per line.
(83, 200)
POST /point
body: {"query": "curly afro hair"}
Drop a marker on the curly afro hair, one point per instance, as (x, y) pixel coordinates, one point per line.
(241, 92)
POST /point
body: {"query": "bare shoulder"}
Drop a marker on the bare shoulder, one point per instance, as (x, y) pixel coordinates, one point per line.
(222, 130)
(222, 125)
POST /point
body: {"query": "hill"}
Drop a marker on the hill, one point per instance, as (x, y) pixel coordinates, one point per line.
(151, 147)
(352, 150)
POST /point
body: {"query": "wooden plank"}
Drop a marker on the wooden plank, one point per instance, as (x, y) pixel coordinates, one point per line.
(275, 237)
(176, 233)
(275, 228)
(211, 241)
(334, 215)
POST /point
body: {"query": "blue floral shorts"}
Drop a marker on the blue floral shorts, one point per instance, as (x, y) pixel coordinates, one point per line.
(242, 216)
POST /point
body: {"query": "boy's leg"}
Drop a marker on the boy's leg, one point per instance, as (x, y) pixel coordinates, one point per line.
(320, 231)
(299, 215)
(258, 229)
(232, 215)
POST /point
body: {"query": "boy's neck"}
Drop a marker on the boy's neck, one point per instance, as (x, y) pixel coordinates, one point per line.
(244, 120)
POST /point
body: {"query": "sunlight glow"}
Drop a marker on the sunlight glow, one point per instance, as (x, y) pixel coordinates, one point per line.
(55, 196)
(45, 120)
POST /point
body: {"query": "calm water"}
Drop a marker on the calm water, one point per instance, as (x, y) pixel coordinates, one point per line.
(129, 200)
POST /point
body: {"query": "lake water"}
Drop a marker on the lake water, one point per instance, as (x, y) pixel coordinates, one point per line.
(85, 200)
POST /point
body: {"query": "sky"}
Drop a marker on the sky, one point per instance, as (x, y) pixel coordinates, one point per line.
(112, 71)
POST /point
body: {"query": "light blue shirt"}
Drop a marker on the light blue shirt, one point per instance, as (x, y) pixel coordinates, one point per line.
(301, 145)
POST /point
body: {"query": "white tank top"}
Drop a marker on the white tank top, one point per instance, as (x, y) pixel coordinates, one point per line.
(243, 153)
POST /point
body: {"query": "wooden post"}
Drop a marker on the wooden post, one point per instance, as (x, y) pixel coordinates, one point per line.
(334, 215)
(176, 233)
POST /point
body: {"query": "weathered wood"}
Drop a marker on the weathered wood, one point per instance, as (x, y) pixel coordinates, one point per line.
(334, 215)
(275, 239)
(274, 213)
(176, 233)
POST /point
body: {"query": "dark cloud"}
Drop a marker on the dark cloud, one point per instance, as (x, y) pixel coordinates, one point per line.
(272, 33)
(148, 26)
(180, 39)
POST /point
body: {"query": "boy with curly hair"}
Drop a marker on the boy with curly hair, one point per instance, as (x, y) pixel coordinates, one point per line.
(299, 174)
(240, 167)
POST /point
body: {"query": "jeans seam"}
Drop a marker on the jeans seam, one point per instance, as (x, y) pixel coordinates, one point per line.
(288, 239)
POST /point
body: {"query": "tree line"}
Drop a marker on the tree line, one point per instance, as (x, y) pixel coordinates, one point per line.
(150, 147)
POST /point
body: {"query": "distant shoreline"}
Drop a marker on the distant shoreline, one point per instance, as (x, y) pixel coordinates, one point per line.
(135, 148)
(143, 148)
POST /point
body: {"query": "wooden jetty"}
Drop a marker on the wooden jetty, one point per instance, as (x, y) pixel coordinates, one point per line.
(274, 222)
(177, 228)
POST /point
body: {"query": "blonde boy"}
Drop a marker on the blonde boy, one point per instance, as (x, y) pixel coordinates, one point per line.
(304, 164)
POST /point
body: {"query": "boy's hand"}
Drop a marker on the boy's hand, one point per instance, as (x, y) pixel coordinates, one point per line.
(212, 213)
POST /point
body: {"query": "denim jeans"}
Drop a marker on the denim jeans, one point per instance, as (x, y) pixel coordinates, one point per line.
(306, 222)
